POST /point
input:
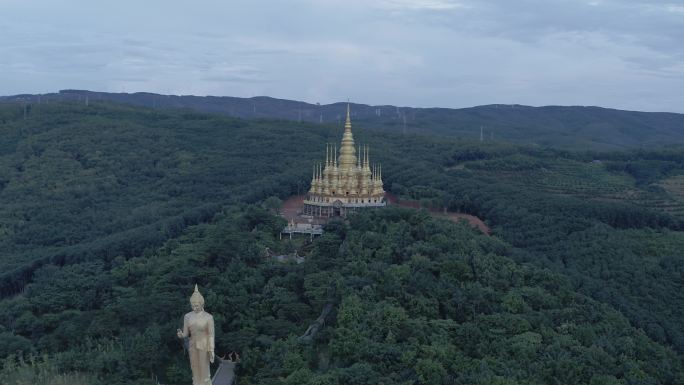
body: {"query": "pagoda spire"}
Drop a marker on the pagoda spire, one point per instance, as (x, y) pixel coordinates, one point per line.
(363, 156)
(314, 181)
(347, 122)
(358, 158)
(347, 149)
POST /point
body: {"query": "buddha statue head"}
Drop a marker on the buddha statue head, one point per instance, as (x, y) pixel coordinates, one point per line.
(197, 301)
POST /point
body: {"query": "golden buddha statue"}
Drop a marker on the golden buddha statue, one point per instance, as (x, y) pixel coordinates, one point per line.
(198, 325)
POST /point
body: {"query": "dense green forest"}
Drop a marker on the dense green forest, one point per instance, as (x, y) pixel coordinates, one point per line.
(111, 213)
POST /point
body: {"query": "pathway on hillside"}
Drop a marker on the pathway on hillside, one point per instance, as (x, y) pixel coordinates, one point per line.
(225, 374)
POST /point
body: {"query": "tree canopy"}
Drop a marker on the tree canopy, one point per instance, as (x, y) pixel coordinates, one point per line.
(112, 213)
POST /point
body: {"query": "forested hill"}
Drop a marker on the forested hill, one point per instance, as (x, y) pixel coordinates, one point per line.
(111, 213)
(572, 127)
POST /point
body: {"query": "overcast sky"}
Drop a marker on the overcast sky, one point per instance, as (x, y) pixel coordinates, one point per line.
(626, 54)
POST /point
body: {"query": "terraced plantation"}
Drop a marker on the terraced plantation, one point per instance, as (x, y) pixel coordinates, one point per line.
(587, 179)
(674, 201)
(562, 177)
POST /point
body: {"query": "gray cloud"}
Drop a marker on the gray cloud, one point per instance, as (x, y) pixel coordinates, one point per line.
(449, 53)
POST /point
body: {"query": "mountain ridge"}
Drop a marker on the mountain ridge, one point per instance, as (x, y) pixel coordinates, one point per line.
(66, 93)
(564, 127)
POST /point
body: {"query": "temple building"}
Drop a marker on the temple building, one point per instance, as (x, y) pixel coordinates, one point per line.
(345, 183)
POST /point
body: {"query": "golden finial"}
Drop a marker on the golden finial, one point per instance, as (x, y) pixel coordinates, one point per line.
(347, 123)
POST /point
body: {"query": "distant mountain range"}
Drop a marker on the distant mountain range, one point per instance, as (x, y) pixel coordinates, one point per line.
(565, 127)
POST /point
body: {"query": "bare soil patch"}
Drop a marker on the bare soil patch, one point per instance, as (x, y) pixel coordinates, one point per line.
(292, 208)
(472, 219)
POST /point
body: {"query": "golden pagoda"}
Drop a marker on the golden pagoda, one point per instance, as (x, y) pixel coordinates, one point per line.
(345, 183)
